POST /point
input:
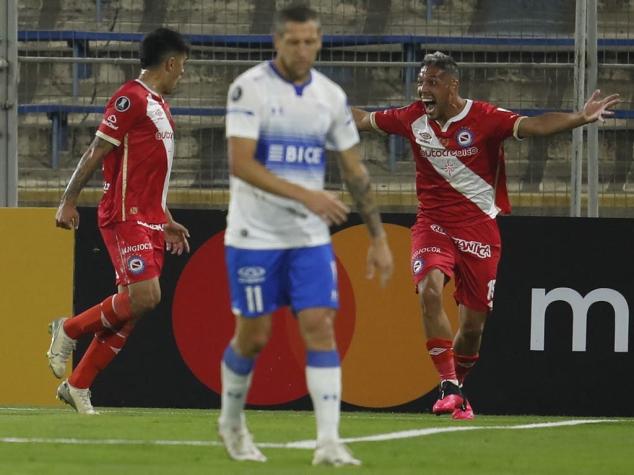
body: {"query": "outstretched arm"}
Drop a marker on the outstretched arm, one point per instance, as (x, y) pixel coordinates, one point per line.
(553, 122)
(362, 120)
(67, 216)
(357, 180)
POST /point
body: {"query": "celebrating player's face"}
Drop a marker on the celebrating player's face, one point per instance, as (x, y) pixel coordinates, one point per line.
(434, 89)
(297, 49)
(176, 69)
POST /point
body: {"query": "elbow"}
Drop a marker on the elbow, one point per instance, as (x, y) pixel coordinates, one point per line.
(365, 125)
(234, 167)
(238, 168)
(357, 174)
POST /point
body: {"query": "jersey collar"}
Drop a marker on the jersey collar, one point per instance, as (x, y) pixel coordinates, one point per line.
(152, 91)
(299, 88)
(458, 117)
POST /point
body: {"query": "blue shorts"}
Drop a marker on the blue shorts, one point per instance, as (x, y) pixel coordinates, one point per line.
(262, 281)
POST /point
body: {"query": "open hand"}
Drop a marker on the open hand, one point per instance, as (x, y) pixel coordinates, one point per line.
(380, 258)
(597, 109)
(176, 238)
(327, 206)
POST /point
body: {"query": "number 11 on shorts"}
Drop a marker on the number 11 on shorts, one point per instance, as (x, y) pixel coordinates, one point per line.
(254, 298)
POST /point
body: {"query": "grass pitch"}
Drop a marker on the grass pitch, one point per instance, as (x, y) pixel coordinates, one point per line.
(184, 442)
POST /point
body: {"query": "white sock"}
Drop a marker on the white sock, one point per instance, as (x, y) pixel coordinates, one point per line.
(324, 386)
(234, 394)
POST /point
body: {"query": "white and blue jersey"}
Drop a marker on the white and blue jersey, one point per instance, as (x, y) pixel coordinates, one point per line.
(278, 252)
(293, 126)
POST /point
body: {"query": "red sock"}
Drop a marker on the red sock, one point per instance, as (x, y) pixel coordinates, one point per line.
(463, 364)
(441, 353)
(109, 314)
(102, 350)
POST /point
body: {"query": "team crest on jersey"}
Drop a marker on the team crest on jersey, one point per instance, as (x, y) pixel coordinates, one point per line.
(464, 137)
(122, 103)
(136, 264)
(236, 94)
(417, 266)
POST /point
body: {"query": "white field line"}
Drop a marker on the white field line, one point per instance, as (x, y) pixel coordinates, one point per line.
(300, 444)
(379, 416)
(5, 410)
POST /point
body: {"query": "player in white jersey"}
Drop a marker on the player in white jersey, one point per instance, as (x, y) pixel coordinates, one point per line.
(281, 117)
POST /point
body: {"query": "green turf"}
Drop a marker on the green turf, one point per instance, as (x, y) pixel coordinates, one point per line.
(592, 449)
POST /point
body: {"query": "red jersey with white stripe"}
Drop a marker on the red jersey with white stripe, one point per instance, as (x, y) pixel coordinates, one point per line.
(460, 176)
(136, 173)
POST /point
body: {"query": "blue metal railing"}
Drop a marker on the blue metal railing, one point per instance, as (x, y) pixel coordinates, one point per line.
(410, 44)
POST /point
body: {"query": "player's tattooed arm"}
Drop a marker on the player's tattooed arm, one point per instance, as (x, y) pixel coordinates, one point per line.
(357, 180)
(67, 216)
(90, 161)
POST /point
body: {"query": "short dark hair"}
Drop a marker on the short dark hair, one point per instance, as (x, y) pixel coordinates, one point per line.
(297, 12)
(160, 43)
(441, 61)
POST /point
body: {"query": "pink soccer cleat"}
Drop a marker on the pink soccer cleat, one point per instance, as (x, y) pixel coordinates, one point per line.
(450, 398)
(464, 412)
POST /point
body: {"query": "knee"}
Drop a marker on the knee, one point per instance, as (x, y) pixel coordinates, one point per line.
(144, 302)
(431, 299)
(318, 331)
(259, 341)
(251, 343)
(472, 330)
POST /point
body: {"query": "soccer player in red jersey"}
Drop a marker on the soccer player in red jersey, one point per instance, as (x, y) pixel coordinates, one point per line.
(461, 187)
(135, 144)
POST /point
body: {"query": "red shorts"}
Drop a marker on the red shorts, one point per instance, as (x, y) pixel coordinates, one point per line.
(470, 254)
(136, 250)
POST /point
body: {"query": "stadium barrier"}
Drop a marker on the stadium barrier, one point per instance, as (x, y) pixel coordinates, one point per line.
(58, 114)
(559, 335)
(37, 286)
(334, 55)
(557, 338)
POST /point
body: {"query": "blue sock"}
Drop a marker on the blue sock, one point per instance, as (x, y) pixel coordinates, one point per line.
(323, 359)
(236, 373)
(237, 363)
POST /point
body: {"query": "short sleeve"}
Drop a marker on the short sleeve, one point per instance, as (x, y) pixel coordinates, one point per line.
(243, 110)
(391, 121)
(123, 111)
(504, 122)
(343, 133)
